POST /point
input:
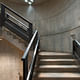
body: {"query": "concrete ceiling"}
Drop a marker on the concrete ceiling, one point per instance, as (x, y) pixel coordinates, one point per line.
(23, 1)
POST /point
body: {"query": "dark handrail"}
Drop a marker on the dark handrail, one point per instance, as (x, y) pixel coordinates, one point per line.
(29, 46)
(16, 20)
(26, 53)
(77, 42)
(34, 41)
(30, 73)
(15, 12)
(3, 19)
(76, 49)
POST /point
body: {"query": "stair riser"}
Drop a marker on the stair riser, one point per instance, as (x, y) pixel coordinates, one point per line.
(57, 67)
(58, 70)
(57, 62)
(55, 57)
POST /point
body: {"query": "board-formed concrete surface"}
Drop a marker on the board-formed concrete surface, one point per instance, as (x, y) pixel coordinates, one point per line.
(10, 61)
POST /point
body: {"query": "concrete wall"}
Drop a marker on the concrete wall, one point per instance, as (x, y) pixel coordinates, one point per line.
(10, 61)
(55, 20)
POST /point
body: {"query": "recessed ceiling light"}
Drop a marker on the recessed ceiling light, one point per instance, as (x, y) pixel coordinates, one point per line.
(32, 0)
(26, 0)
(29, 1)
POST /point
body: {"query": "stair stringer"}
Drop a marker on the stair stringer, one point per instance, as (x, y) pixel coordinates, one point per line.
(14, 39)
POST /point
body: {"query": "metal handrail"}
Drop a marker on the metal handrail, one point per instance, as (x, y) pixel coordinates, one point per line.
(77, 42)
(26, 53)
(5, 9)
(30, 73)
(29, 46)
(15, 13)
(76, 49)
(17, 20)
(34, 41)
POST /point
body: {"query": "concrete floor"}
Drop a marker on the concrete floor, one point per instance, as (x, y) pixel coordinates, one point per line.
(10, 61)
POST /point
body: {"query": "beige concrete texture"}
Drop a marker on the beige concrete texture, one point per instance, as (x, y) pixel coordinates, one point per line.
(10, 61)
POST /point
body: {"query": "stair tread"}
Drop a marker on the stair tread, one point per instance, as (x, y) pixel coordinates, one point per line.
(53, 53)
(58, 66)
(59, 75)
(58, 60)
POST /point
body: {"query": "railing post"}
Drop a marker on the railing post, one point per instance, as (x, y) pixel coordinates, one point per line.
(73, 47)
(2, 15)
(25, 69)
(35, 40)
(30, 30)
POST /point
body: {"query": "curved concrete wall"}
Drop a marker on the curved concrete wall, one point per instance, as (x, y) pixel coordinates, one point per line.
(55, 20)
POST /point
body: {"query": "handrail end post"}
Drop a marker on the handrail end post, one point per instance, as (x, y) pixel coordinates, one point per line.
(2, 15)
(73, 47)
(25, 69)
(30, 30)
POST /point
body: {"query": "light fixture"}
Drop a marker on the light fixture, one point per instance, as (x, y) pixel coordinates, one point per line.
(29, 1)
(26, 0)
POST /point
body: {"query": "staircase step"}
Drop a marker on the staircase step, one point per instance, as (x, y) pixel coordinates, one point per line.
(58, 61)
(53, 53)
(58, 76)
(58, 68)
(55, 56)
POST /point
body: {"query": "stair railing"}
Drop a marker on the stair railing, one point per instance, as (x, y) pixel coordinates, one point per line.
(34, 41)
(76, 49)
(27, 75)
(5, 9)
(24, 26)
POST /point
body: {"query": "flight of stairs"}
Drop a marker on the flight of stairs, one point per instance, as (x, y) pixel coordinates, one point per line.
(14, 39)
(56, 66)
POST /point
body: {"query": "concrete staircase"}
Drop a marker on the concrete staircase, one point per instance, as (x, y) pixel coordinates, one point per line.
(14, 39)
(57, 66)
